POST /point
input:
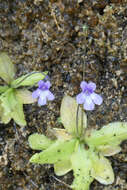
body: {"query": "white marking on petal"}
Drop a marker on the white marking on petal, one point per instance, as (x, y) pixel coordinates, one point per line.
(88, 104)
(42, 101)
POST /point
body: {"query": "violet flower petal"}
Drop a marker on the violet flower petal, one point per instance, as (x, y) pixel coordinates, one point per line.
(47, 84)
(50, 96)
(36, 93)
(43, 93)
(41, 83)
(80, 98)
(97, 99)
(83, 85)
(88, 104)
(92, 86)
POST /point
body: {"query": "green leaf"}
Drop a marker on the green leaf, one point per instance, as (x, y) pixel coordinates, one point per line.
(111, 134)
(39, 141)
(108, 150)
(7, 70)
(61, 134)
(82, 168)
(3, 89)
(68, 113)
(11, 107)
(4, 118)
(59, 151)
(63, 167)
(18, 114)
(102, 169)
(59, 120)
(8, 101)
(25, 96)
(29, 79)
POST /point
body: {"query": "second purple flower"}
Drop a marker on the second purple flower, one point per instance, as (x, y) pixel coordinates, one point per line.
(43, 93)
(88, 97)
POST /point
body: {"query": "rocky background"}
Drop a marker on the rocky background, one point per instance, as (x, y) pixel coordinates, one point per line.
(59, 36)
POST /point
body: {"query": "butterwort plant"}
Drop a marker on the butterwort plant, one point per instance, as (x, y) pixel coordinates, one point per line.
(14, 92)
(78, 148)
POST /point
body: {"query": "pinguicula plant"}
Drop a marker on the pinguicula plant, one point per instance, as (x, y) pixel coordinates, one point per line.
(78, 148)
(15, 93)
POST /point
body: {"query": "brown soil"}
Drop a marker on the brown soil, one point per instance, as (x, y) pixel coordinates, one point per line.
(58, 37)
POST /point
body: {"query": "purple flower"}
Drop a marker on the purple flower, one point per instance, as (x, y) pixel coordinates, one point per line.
(88, 97)
(43, 93)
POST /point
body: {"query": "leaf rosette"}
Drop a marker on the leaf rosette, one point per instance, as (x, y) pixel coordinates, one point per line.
(14, 93)
(83, 153)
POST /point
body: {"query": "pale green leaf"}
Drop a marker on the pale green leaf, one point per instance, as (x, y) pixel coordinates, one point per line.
(4, 118)
(8, 101)
(3, 89)
(108, 150)
(102, 169)
(12, 107)
(61, 134)
(63, 167)
(111, 134)
(82, 168)
(59, 120)
(29, 79)
(7, 70)
(25, 96)
(18, 114)
(68, 113)
(39, 141)
(59, 151)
